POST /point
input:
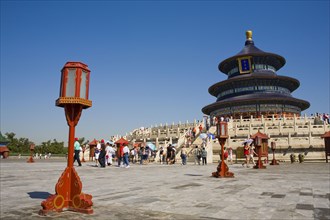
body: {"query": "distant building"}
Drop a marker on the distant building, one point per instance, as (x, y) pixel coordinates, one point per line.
(253, 88)
(4, 151)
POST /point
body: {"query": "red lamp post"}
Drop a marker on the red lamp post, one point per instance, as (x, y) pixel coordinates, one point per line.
(73, 98)
(30, 160)
(273, 147)
(222, 135)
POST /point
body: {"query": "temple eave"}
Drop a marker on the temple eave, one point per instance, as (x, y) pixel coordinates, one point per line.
(301, 104)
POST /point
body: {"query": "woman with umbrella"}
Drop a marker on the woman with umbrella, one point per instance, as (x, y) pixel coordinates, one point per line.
(247, 152)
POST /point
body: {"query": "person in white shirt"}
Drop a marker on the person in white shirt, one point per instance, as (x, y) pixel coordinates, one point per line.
(252, 153)
(133, 155)
(109, 152)
(97, 152)
(126, 154)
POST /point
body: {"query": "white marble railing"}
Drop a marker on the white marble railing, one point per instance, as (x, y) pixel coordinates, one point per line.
(294, 131)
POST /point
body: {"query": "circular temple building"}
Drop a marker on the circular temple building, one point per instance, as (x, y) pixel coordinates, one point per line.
(253, 88)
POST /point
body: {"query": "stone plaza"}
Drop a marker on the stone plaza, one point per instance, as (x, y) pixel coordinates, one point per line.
(155, 191)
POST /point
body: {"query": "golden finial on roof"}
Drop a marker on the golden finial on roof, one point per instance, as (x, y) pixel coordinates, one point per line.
(248, 35)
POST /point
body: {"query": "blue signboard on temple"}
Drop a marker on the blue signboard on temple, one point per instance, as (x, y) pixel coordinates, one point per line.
(244, 65)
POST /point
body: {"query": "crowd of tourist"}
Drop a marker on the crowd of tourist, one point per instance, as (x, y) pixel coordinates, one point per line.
(323, 118)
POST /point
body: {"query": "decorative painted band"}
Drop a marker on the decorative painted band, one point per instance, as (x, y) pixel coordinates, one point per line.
(62, 101)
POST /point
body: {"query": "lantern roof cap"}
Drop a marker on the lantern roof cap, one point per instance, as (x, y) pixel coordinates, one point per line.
(121, 141)
(326, 135)
(72, 64)
(259, 134)
(93, 142)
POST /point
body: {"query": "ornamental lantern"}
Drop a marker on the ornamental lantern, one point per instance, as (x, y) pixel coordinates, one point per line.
(73, 98)
(273, 147)
(74, 85)
(261, 144)
(222, 135)
(32, 146)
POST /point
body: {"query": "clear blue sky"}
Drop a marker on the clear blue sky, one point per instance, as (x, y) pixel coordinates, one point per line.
(151, 62)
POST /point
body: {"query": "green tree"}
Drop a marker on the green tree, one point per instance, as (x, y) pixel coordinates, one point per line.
(21, 145)
(54, 147)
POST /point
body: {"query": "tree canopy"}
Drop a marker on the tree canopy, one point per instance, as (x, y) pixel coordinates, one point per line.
(22, 145)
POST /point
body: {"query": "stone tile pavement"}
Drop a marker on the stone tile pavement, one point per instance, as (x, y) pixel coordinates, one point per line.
(154, 191)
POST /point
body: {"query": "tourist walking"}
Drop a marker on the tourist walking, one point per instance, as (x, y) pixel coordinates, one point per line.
(161, 155)
(120, 155)
(200, 128)
(194, 132)
(173, 154)
(197, 155)
(109, 153)
(126, 155)
(136, 156)
(102, 154)
(133, 154)
(246, 154)
(230, 155)
(204, 155)
(146, 155)
(76, 152)
(168, 153)
(97, 152)
(252, 153)
(184, 156)
(141, 153)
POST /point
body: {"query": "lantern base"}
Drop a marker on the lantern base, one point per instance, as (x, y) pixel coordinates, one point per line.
(223, 171)
(259, 165)
(68, 195)
(30, 160)
(274, 162)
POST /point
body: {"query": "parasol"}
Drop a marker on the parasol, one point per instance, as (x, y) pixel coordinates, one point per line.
(248, 141)
(203, 135)
(151, 145)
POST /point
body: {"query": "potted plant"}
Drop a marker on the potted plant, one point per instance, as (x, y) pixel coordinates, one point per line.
(301, 158)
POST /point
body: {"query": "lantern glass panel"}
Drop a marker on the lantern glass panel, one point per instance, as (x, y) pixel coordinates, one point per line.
(223, 130)
(258, 141)
(218, 129)
(83, 85)
(71, 83)
(62, 84)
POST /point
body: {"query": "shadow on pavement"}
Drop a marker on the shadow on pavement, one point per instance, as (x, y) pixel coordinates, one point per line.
(39, 195)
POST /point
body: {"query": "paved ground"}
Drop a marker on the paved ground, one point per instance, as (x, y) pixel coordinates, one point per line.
(287, 191)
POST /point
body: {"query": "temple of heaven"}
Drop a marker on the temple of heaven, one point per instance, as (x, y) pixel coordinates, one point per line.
(253, 88)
